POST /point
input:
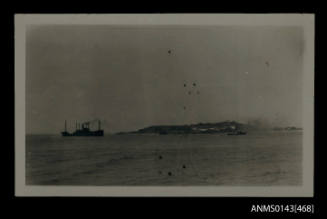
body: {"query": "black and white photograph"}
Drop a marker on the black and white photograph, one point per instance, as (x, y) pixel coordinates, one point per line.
(164, 105)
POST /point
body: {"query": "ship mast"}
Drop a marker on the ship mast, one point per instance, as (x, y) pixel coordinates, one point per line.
(65, 126)
(99, 123)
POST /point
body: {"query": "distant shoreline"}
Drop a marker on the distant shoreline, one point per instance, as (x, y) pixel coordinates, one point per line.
(207, 128)
(136, 133)
(199, 128)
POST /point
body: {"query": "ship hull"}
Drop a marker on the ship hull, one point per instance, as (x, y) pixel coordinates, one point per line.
(66, 134)
(81, 133)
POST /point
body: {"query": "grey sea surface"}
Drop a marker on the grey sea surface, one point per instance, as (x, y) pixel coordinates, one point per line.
(257, 159)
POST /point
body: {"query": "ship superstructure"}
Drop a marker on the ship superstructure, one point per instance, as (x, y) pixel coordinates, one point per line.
(83, 129)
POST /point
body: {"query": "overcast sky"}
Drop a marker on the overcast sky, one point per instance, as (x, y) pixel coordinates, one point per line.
(133, 77)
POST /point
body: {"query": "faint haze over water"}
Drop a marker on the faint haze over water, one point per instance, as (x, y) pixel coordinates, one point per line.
(132, 77)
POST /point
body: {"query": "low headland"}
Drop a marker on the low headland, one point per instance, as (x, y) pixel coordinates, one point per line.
(206, 128)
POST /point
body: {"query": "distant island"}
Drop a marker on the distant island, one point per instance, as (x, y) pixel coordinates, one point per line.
(203, 128)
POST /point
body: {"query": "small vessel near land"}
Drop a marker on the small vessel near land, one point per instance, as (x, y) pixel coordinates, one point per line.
(84, 129)
(237, 133)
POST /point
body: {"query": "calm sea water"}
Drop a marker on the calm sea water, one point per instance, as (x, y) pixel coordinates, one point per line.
(263, 158)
